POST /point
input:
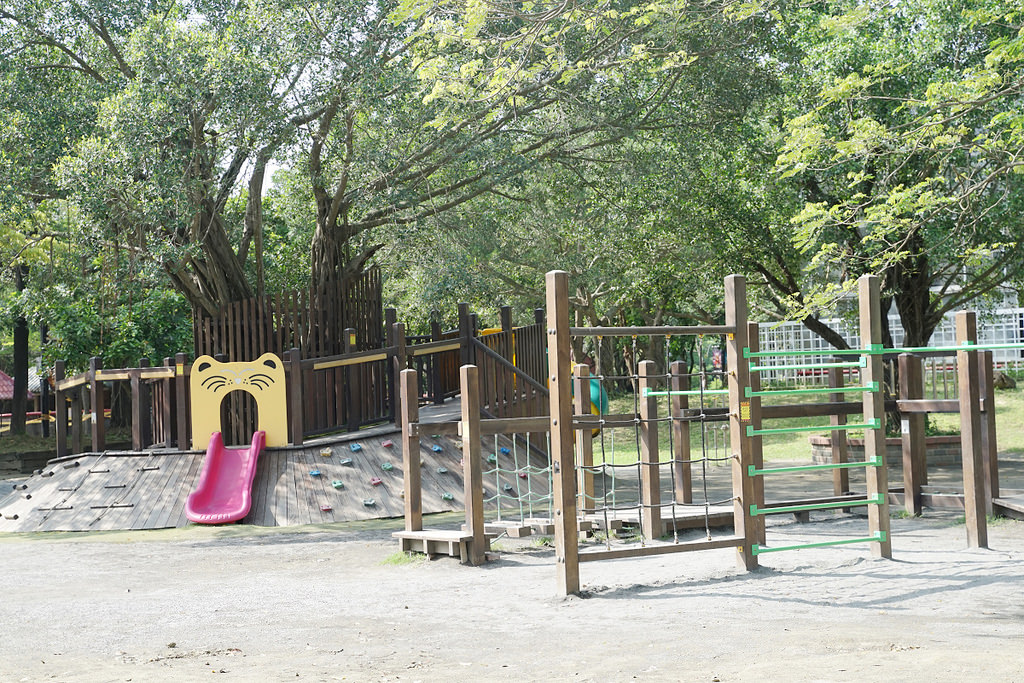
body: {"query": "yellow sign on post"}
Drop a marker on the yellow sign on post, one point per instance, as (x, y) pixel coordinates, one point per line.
(263, 379)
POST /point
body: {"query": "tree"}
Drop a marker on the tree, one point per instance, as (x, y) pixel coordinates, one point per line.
(910, 159)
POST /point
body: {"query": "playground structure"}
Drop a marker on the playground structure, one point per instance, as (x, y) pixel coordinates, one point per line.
(515, 412)
(579, 486)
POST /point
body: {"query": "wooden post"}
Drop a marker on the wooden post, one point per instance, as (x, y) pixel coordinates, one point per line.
(409, 416)
(391, 369)
(295, 416)
(970, 431)
(167, 407)
(584, 440)
(507, 383)
(650, 477)
(756, 445)
(140, 407)
(466, 335)
(838, 441)
(874, 409)
(912, 436)
(399, 362)
(61, 410)
(181, 402)
(472, 463)
(79, 395)
(99, 423)
(560, 411)
(436, 389)
(352, 393)
(989, 447)
(680, 381)
(739, 419)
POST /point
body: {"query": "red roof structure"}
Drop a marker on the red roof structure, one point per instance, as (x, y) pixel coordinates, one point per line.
(7, 388)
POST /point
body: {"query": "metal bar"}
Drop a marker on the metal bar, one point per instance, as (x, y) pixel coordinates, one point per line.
(873, 386)
(874, 424)
(876, 538)
(876, 500)
(811, 366)
(874, 462)
(688, 392)
(649, 331)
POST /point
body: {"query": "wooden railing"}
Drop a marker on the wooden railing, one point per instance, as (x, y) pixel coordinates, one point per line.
(343, 392)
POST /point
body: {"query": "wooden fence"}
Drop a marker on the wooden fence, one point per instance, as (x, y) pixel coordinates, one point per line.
(276, 323)
(343, 392)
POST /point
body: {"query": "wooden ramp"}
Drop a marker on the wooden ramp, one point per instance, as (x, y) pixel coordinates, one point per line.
(131, 490)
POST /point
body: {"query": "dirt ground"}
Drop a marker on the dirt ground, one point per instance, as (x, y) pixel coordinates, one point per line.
(339, 604)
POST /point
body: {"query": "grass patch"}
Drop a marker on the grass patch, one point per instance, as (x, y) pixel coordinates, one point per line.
(403, 558)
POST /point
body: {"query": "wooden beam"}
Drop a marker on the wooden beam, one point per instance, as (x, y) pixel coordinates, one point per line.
(912, 437)
(650, 476)
(560, 412)
(739, 413)
(967, 370)
(584, 440)
(409, 415)
(874, 409)
(472, 463)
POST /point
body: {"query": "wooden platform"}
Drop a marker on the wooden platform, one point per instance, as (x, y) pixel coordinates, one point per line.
(432, 542)
(1009, 506)
(688, 517)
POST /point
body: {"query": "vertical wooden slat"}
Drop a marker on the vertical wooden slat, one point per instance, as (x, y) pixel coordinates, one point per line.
(78, 400)
(61, 410)
(912, 436)
(650, 477)
(96, 400)
(294, 357)
(560, 411)
(874, 409)
(970, 431)
(739, 419)
(680, 381)
(584, 440)
(167, 407)
(472, 464)
(989, 448)
(839, 444)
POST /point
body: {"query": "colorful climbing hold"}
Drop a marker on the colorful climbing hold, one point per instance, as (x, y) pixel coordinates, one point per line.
(314, 473)
(338, 484)
(387, 443)
(346, 461)
(436, 448)
(326, 452)
(447, 496)
(435, 436)
(492, 458)
(507, 487)
(442, 470)
(325, 508)
(522, 475)
(369, 502)
(386, 466)
(505, 450)
(354, 447)
(376, 481)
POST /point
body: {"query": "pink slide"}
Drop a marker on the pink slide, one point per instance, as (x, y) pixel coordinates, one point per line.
(224, 491)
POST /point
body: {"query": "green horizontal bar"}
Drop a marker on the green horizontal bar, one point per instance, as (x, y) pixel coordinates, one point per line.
(688, 392)
(856, 502)
(877, 537)
(873, 386)
(873, 349)
(876, 423)
(862, 363)
(874, 462)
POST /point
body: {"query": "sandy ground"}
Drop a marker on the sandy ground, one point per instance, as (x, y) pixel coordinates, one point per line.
(333, 604)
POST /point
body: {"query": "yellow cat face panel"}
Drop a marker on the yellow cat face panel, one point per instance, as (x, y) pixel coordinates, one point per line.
(264, 379)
